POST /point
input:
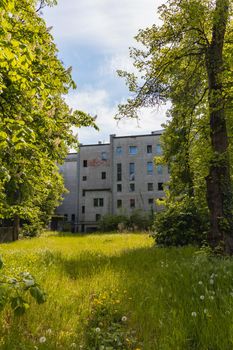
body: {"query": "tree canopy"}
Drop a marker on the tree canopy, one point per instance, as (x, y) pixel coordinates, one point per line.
(35, 121)
(188, 61)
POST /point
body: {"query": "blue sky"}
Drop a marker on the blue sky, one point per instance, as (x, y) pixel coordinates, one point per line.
(94, 36)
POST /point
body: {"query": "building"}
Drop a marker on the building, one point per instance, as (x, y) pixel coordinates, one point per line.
(112, 178)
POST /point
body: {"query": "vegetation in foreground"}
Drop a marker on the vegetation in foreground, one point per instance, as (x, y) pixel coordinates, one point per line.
(118, 291)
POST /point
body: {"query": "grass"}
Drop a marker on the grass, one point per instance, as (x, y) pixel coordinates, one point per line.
(171, 298)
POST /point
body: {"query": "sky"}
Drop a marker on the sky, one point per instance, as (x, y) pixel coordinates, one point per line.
(94, 36)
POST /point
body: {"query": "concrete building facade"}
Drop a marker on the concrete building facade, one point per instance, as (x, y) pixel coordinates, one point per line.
(118, 177)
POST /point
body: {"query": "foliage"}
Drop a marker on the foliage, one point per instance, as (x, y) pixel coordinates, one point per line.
(181, 62)
(138, 220)
(35, 122)
(14, 289)
(181, 224)
(107, 326)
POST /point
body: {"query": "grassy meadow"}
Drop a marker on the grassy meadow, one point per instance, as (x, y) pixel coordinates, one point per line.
(118, 291)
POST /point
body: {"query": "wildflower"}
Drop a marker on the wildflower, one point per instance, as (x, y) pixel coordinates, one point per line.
(97, 330)
(211, 281)
(211, 297)
(49, 331)
(202, 297)
(42, 340)
(73, 345)
(124, 319)
(200, 283)
(194, 314)
(205, 311)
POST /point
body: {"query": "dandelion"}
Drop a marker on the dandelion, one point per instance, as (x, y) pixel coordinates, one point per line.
(205, 311)
(124, 319)
(211, 281)
(202, 297)
(194, 314)
(97, 330)
(42, 340)
(49, 331)
(211, 297)
(200, 283)
(73, 345)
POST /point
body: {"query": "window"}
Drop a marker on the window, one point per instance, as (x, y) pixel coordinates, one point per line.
(133, 150)
(103, 175)
(132, 203)
(83, 209)
(65, 217)
(98, 202)
(119, 203)
(132, 187)
(160, 186)
(104, 156)
(119, 150)
(83, 193)
(158, 149)
(151, 200)
(73, 217)
(150, 186)
(160, 169)
(119, 170)
(97, 217)
(132, 171)
(84, 178)
(149, 168)
(85, 163)
(149, 148)
(119, 187)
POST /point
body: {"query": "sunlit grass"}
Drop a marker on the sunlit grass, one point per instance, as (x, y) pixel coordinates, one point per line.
(172, 298)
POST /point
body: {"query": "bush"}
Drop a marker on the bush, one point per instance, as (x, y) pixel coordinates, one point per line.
(112, 222)
(140, 220)
(180, 224)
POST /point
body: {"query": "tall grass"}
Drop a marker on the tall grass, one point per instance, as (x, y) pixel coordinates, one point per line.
(172, 298)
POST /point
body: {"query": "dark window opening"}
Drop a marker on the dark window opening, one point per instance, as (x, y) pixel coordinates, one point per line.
(103, 175)
(132, 187)
(150, 186)
(149, 148)
(160, 186)
(151, 200)
(97, 217)
(84, 178)
(84, 193)
(119, 187)
(65, 217)
(73, 217)
(119, 172)
(83, 209)
(85, 163)
(132, 203)
(119, 203)
(132, 171)
(98, 202)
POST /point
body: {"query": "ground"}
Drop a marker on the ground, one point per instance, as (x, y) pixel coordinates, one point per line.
(119, 291)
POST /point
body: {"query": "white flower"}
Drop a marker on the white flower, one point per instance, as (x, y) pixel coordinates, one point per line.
(49, 331)
(200, 282)
(205, 311)
(194, 314)
(211, 297)
(97, 330)
(73, 345)
(42, 340)
(211, 281)
(124, 319)
(202, 297)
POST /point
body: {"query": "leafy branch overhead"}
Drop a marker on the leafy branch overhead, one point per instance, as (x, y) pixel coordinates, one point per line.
(187, 60)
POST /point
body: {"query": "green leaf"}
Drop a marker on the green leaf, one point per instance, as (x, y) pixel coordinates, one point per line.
(38, 294)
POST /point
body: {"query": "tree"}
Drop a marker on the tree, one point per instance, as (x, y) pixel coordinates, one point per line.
(35, 122)
(188, 60)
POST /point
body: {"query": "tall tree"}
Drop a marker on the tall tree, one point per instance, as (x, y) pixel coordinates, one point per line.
(188, 61)
(35, 122)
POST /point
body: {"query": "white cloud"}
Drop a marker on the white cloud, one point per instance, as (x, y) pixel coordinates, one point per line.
(109, 24)
(96, 103)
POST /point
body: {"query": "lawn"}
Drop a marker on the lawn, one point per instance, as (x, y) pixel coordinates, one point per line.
(119, 291)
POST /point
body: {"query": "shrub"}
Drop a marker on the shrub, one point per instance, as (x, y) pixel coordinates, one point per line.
(180, 224)
(140, 220)
(112, 222)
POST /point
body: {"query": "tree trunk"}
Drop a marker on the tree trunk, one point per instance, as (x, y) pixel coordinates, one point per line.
(219, 192)
(16, 227)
